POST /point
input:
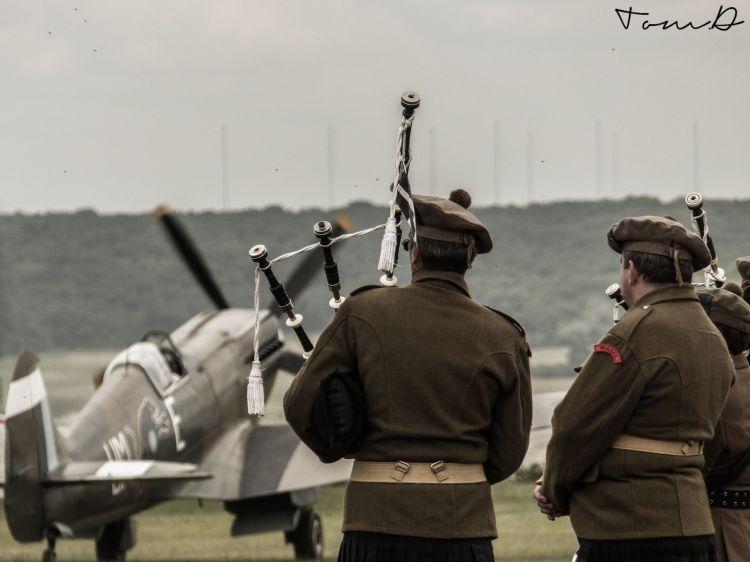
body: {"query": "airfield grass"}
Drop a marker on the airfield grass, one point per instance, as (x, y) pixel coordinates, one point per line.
(183, 531)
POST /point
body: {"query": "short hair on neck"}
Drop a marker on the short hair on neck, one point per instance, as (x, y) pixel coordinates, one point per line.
(437, 255)
(658, 269)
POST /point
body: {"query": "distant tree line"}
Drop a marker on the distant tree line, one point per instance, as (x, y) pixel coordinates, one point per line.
(85, 280)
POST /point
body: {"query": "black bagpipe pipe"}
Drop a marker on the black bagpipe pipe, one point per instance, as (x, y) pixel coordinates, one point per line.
(392, 238)
(715, 276)
(259, 255)
(323, 231)
(409, 102)
(310, 263)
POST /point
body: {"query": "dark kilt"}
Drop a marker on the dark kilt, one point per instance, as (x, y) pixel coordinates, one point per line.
(671, 549)
(359, 546)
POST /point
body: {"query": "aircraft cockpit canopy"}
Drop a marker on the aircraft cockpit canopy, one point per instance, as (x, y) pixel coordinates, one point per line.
(149, 357)
(168, 349)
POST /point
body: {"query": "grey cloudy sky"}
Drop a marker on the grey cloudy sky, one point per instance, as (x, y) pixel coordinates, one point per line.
(119, 105)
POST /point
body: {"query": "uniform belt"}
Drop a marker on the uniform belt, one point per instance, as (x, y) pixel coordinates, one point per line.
(729, 499)
(417, 472)
(659, 446)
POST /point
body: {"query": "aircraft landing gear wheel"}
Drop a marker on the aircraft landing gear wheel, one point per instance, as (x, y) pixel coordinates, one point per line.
(307, 538)
(115, 539)
(49, 554)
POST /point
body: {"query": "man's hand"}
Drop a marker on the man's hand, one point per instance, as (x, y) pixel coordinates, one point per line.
(545, 506)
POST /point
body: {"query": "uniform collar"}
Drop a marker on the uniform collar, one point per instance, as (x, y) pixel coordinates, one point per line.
(668, 293)
(447, 279)
(740, 361)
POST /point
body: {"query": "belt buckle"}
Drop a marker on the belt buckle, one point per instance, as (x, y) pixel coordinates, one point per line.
(400, 470)
(439, 470)
(692, 447)
(687, 446)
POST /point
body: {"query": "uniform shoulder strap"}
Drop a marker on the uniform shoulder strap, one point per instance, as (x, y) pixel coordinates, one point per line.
(630, 321)
(509, 318)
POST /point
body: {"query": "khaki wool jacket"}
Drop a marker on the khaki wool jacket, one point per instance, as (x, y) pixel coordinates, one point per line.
(445, 379)
(723, 453)
(662, 372)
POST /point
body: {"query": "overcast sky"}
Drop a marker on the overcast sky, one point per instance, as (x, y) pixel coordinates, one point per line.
(118, 105)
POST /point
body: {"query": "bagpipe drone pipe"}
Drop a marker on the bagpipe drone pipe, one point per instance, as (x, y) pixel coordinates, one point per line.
(401, 209)
(615, 293)
(714, 275)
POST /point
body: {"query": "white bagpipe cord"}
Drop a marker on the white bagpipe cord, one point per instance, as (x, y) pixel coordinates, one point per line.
(255, 396)
(387, 260)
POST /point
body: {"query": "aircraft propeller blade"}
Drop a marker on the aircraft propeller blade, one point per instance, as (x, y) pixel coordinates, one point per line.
(189, 253)
(311, 263)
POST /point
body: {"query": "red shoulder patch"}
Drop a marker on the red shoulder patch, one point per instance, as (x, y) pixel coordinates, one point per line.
(611, 349)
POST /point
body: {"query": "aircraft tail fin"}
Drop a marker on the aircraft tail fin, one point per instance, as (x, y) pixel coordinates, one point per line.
(31, 449)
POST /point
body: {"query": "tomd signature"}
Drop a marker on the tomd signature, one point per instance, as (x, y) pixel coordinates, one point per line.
(725, 19)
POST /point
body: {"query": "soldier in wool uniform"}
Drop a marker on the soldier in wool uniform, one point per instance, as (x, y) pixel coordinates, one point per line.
(626, 452)
(447, 387)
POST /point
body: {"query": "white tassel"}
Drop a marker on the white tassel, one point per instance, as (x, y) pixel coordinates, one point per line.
(255, 397)
(388, 247)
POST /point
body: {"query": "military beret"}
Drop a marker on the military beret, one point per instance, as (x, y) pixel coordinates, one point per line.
(743, 266)
(449, 220)
(727, 308)
(661, 236)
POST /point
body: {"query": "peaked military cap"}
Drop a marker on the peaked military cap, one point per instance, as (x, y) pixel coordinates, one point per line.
(726, 307)
(662, 236)
(449, 220)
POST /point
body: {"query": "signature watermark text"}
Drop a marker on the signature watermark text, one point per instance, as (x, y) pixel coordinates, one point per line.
(725, 19)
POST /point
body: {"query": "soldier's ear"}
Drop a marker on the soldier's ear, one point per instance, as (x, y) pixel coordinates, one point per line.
(631, 272)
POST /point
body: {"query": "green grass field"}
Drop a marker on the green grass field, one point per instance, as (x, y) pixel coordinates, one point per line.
(183, 531)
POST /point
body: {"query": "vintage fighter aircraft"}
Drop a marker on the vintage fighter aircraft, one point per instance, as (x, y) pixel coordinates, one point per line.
(168, 421)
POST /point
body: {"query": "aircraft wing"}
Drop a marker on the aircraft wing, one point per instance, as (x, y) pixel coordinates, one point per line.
(253, 461)
(122, 471)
